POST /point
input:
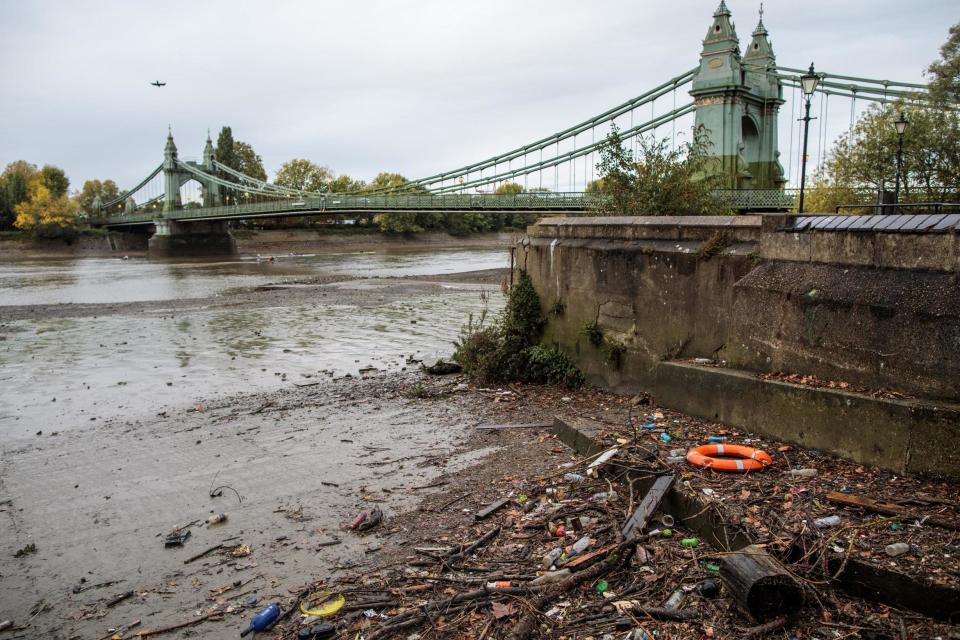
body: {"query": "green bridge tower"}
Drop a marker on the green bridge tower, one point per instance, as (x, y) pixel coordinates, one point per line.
(738, 100)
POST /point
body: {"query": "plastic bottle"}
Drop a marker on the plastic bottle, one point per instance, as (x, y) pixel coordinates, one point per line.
(675, 459)
(665, 437)
(804, 473)
(573, 477)
(499, 584)
(717, 439)
(690, 543)
(263, 619)
(552, 576)
(897, 549)
(217, 519)
(674, 601)
(678, 452)
(579, 546)
(829, 521)
(551, 557)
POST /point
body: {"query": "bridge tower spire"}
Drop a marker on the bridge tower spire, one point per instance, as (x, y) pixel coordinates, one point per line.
(171, 176)
(211, 190)
(737, 101)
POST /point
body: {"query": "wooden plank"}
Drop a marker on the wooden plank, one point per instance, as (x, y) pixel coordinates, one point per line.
(587, 557)
(647, 507)
(888, 509)
(480, 515)
(522, 425)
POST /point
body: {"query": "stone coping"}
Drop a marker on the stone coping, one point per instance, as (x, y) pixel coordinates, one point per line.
(748, 221)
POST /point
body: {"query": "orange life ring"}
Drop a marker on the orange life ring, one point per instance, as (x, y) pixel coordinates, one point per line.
(741, 458)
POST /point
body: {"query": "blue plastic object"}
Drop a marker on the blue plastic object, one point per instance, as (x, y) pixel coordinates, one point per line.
(665, 437)
(717, 439)
(263, 620)
(649, 426)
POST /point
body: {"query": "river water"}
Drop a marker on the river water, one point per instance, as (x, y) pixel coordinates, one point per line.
(61, 370)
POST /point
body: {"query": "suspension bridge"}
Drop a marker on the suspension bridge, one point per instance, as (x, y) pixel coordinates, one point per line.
(735, 96)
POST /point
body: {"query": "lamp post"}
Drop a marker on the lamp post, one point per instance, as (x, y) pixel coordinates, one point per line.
(808, 83)
(901, 126)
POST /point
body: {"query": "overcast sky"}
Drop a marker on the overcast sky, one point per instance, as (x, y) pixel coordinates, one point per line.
(365, 86)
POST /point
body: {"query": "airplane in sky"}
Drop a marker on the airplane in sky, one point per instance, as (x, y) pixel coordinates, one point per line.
(159, 84)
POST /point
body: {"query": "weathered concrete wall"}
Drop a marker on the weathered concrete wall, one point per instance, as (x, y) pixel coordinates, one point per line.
(877, 313)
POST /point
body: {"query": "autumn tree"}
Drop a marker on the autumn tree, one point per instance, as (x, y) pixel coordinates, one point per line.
(861, 164)
(944, 73)
(303, 175)
(45, 213)
(92, 189)
(13, 190)
(509, 187)
(658, 181)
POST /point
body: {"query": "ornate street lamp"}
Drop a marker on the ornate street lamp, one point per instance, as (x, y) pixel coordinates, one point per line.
(901, 126)
(808, 83)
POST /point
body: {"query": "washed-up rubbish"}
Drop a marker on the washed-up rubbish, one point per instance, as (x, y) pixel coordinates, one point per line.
(602, 586)
(667, 520)
(717, 439)
(251, 601)
(499, 584)
(666, 533)
(322, 603)
(674, 601)
(829, 521)
(676, 459)
(241, 551)
(263, 620)
(804, 473)
(649, 426)
(896, 549)
(323, 631)
(216, 519)
(601, 460)
(665, 437)
(367, 519)
(176, 538)
(6, 624)
(550, 577)
(551, 557)
(690, 543)
(603, 496)
(710, 589)
(573, 477)
(579, 546)
(729, 457)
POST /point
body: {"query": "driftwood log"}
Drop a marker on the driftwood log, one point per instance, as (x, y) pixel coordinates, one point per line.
(760, 585)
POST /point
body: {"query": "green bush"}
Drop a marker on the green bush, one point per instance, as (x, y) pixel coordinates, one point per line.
(593, 332)
(508, 351)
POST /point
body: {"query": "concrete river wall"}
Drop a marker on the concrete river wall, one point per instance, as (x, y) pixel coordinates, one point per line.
(696, 310)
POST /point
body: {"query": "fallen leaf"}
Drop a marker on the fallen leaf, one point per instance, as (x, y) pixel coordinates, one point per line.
(501, 610)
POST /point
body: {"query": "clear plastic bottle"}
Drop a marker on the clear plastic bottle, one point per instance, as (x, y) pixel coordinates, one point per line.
(573, 477)
(674, 601)
(552, 576)
(897, 549)
(551, 557)
(217, 519)
(829, 521)
(803, 473)
(579, 546)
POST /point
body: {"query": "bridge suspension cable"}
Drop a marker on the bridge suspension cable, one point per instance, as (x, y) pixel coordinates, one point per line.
(126, 194)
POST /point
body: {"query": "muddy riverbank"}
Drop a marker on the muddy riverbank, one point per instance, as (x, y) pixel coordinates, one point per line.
(253, 242)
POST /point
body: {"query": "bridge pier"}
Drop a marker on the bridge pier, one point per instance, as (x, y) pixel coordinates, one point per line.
(174, 239)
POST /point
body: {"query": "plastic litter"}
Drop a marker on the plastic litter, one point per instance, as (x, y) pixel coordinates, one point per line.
(602, 586)
(324, 603)
(665, 437)
(710, 588)
(717, 439)
(579, 546)
(674, 601)
(573, 477)
(551, 557)
(217, 519)
(550, 577)
(829, 521)
(803, 473)
(323, 631)
(690, 543)
(896, 549)
(263, 619)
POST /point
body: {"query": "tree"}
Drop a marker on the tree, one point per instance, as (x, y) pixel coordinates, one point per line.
(92, 189)
(248, 162)
(660, 181)
(345, 183)
(944, 73)
(386, 181)
(509, 187)
(55, 179)
(46, 214)
(224, 150)
(13, 190)
(865, 162)
(303, 175)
